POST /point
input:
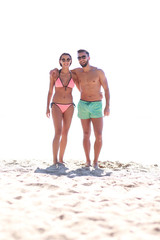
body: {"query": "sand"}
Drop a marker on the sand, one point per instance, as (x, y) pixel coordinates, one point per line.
(42, 202)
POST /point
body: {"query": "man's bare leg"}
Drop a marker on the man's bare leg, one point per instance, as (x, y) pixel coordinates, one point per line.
(57, 120)
(86, 125)
(97, 126)
(67, 118)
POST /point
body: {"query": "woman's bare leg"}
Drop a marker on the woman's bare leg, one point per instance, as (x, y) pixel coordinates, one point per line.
(67, 118)
(57, 121)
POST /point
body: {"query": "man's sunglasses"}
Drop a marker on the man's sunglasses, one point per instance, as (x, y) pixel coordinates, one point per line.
(66, 60)
(83, 57)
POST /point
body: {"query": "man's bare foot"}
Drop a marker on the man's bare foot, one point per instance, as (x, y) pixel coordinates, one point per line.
(55, 162)
(61, 161)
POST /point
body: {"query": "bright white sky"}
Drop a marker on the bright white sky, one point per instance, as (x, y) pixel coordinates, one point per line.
(122, 38)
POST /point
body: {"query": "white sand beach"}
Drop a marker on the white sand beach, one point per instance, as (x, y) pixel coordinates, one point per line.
(42, 202)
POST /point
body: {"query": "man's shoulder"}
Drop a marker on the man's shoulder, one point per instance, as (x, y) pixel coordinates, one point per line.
(98, 70)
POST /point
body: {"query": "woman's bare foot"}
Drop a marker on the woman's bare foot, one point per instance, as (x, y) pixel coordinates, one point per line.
(95, 164)
(88, 164)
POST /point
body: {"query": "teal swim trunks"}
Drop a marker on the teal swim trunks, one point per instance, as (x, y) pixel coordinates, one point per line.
(88, 109)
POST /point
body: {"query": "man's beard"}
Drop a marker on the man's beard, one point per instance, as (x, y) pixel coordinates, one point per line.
(84, 64)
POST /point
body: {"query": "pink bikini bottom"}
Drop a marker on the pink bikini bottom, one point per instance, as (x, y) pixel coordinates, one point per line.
(63, 107)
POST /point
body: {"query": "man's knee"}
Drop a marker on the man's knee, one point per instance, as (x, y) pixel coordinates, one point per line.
(86, 134)
(99, 137)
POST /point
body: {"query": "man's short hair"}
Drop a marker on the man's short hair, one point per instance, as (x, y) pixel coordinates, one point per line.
(82, 50)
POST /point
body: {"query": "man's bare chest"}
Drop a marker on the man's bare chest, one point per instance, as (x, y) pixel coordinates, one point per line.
(88, 78)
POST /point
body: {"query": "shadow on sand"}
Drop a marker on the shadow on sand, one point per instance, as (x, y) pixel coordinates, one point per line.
(61, 169)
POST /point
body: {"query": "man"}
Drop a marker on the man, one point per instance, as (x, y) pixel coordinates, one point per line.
(90, 80)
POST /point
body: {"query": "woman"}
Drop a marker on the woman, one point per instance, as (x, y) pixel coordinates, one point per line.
(62, 105)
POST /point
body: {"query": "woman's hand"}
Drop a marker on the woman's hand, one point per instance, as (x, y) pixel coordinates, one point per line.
(48, 113)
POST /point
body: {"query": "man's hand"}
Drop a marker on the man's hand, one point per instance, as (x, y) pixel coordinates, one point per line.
(53, 72)
(106, 111)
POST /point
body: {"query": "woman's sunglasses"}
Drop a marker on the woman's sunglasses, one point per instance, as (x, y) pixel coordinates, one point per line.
(66, 60)
(83, 57)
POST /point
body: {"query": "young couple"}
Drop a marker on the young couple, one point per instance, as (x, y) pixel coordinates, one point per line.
(89, 81)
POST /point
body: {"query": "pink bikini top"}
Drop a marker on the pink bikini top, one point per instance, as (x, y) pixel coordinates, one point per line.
(59, 82)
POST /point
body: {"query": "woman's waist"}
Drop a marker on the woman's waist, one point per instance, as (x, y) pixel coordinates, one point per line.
(62, 100)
